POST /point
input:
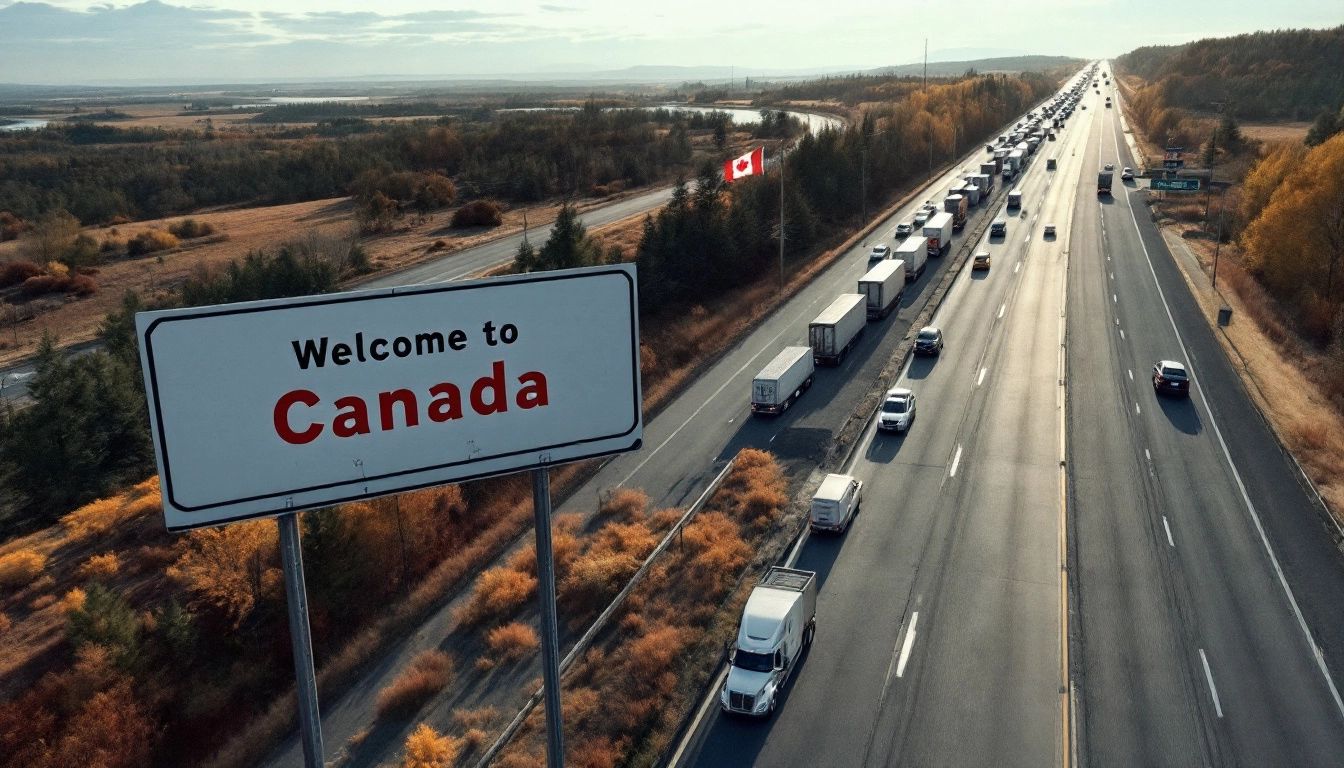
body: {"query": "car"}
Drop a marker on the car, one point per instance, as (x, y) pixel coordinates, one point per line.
(929, 341)
(921, 217)
(1171, 376)
(998, 228)
(905, 229)
(880, 251)
(898, 410)
(929, 207)
(1049, 230)
(989, 147)
(1127, 174)
(1110, 166)
(981, 260)
(1084, 106)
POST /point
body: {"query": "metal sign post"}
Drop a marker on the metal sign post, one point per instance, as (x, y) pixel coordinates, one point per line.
(550, 640)
(305, 677)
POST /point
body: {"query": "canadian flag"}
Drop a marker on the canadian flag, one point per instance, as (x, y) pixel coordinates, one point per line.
(750, 164)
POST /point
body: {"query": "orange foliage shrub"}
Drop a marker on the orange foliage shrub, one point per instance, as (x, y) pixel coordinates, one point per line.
(113, 729)
(499, 591)
(478, 213)
(474, 718)
(599, 752)
(512, 642)
(5, 623)
(73, 600)
(19, 568)
(150, 241)
(99, 567)
(425, 748)
(624, 504)
(101, 516)
(426, 675)
(15, 272)
(594, 579)
(229, 569)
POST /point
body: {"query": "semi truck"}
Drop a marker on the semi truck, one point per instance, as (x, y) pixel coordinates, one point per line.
(991, 170)
(914, 251)
(971, 190)
(1014, 199)
(783, 380)
(956, 205)
(832, 334)
(778, 624)
(883, 286)
(938, 230)
(1104, 182)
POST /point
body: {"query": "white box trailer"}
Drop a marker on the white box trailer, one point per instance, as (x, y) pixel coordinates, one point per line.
(986, 183)
(914, 251)
(782, 380)
(884, 285)
(778, 624)
(938, 230)
(832, 334)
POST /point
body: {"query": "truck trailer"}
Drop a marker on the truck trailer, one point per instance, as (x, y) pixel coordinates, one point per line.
(914, 251)
(939, 232)
(884, 285)
(1104, 182)
(778, 624)
(783, 380)
(956, 205)
(833, 333)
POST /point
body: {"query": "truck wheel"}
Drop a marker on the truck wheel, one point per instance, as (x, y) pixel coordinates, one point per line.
(786, 405)
(807, 636)
(773, 699)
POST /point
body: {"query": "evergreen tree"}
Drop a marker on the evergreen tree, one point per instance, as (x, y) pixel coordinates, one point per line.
(569, 244)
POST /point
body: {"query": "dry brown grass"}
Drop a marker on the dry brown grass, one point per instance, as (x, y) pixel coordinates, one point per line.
(98, 517)
(19, 569)
(426, 748)
(426, 675)
(499, 592)
(1268, 132)
(100, 567)
(511, 642)
(5, 623)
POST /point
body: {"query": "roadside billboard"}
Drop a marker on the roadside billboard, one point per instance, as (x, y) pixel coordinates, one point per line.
(266, 407)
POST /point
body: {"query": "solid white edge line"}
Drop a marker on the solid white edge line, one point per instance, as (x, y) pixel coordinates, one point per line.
(1236, 475)
(955, 461)
(1170, 542)
(710, 700)
(909, 643)
(1213, 689)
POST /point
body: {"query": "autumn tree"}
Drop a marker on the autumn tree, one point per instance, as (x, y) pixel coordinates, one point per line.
(229, 570)
(51, 235)
(1266, 175)
(426, 748)
(1297, 243)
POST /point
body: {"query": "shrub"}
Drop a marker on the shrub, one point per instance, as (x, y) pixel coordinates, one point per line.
(11, 226)
(595, 578)
(478, 213)
(512, 641)
(187, 229)
(82, 285)
(624, 504)
(111, 730)
(73, 600)
(425, 748)
(36, 286)
(426, 675)
(96, 517)
(18, 569)
(150, 241)
(100, 566)
(106, 619)
(498, 592)
(15, 272)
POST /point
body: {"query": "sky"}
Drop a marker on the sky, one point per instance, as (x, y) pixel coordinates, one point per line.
(74, 42)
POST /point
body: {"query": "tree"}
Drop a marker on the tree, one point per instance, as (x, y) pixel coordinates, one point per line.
(720, 135)
(1265, 176)
(1297, 243)
(51, 236)
(569, 244)
(106, 619)
(425, 748)
(231, 569)
(1328, 123)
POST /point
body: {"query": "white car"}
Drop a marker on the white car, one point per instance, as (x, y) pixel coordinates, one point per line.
(921, 217)
(880, 251)
(1127, 174)
(898, 410)
(905, 229)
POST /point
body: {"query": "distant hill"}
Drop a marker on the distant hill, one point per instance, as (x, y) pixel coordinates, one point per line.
(1000, 64)
(1288, 74)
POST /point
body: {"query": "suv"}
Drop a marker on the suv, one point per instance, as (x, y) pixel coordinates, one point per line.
(898, 410)
(1170, 376)
(1127, 174)
(905, 229)
(880, 251)
(999, 228)
(929, 341)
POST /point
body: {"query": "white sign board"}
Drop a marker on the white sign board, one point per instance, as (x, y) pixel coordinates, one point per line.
(265, 407)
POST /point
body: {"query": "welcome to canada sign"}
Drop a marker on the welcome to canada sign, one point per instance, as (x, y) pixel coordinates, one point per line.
(266, 407)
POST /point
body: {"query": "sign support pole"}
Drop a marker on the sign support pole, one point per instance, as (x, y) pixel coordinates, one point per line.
(296, 599)
(550, 643)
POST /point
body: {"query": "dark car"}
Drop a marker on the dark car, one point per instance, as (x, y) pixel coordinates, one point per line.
(1170, 376)
(999, 228)
(929, 341)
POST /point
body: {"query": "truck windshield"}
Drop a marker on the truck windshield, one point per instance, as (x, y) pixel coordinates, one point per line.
(756, 662)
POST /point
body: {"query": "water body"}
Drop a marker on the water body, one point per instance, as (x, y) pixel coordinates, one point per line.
(21, 124)
(271, 101)
(739, 115)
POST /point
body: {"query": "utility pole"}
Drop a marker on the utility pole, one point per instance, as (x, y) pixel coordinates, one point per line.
(925, 83)
(863, 178)
(1213, 158)
(781, 217)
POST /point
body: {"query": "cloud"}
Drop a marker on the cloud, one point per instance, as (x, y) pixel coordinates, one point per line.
(559, 8)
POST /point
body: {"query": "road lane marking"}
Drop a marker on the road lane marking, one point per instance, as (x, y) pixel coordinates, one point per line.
(1168, 527)
(1147, 455)
(1131, 374)
(1017, 267)
(1122, 334)
(1001, 308)
(1316, 651)
(1136, 409)
(909, 643)
(1113, 299)
(955, 461)
(981, 378)
(1213, 689)
(1112, 275)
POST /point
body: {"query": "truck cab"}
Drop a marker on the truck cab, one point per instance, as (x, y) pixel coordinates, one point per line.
(778, 624)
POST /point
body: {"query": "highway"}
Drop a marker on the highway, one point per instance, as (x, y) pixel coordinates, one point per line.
(1197, 560)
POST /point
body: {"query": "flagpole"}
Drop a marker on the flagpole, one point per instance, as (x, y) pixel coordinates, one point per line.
(781, 216)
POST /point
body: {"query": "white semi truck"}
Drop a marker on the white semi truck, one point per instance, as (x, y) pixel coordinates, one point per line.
(783, 380)
(938, 230)
(778, 624)
(884, 285)
(833, 333)
(914, 251)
